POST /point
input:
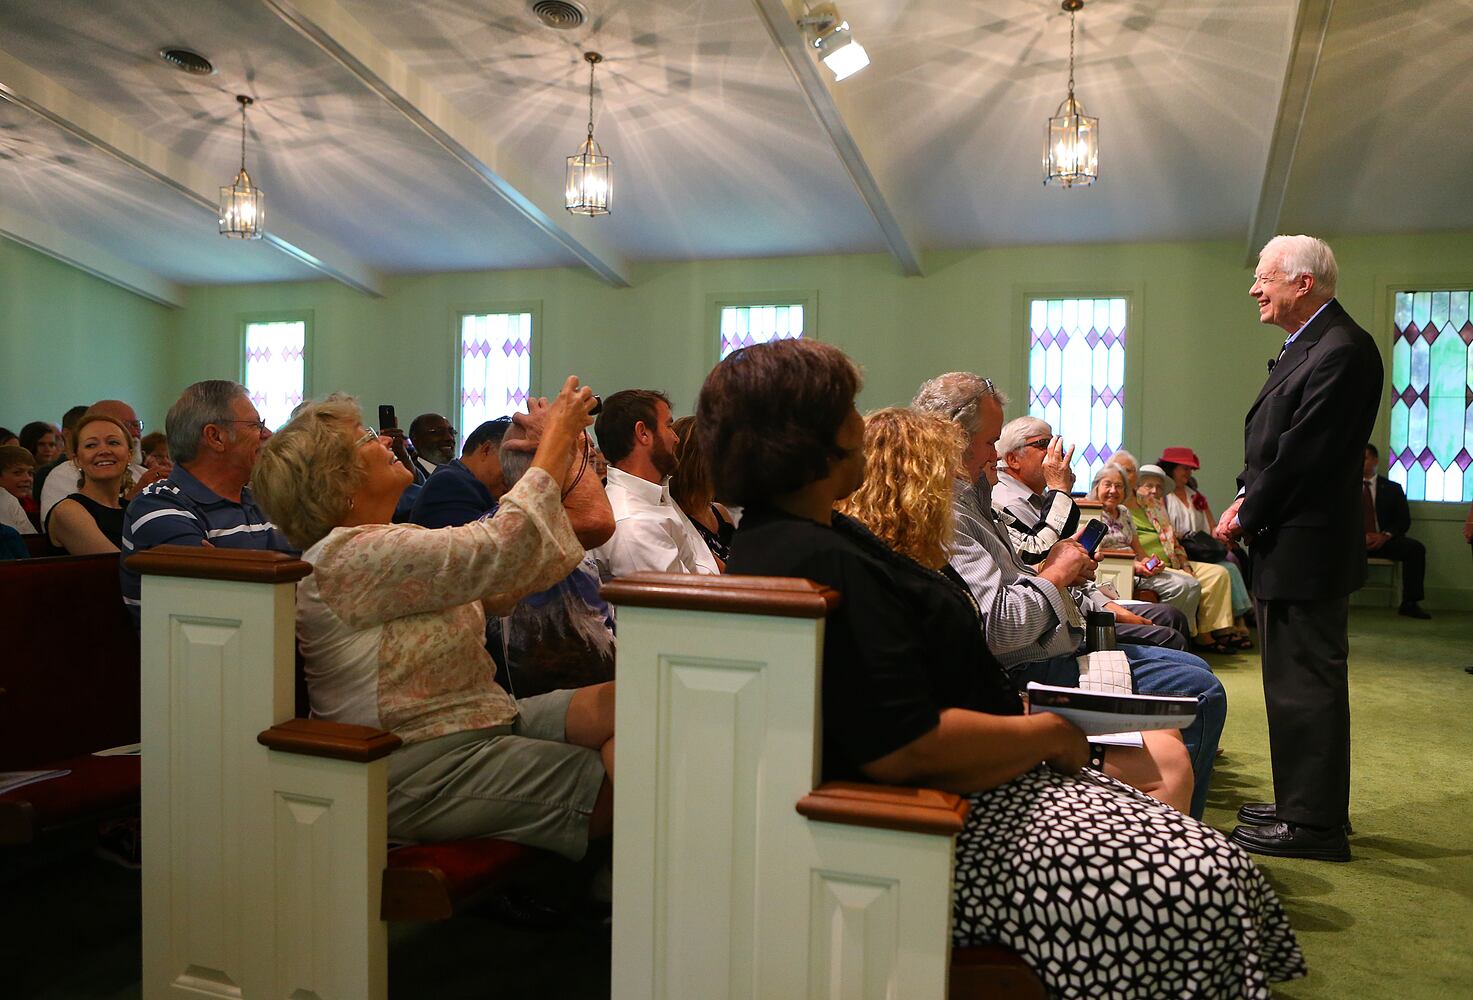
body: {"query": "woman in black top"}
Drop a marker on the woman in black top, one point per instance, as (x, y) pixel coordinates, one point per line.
(1051, 852)
(91, 519)
(690, 488)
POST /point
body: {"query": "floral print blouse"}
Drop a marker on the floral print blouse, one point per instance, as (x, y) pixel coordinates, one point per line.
(390, 622)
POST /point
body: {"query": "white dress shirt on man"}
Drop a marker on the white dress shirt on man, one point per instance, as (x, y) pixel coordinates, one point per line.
(650, 532)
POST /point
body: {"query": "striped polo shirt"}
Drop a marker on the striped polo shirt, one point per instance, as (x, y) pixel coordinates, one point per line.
(181, 510)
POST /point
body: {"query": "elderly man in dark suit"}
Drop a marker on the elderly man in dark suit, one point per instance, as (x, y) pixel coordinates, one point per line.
(1299, 506)
(1387, 520)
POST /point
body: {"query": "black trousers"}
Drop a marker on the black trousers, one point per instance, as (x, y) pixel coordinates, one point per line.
(1305, 645)
(1412, 555)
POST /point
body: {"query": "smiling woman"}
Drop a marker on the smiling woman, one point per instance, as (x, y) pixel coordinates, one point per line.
(91, 519)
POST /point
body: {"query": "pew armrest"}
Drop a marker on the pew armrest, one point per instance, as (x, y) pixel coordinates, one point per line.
(337, 740)
(886, 807)
(1117, 554)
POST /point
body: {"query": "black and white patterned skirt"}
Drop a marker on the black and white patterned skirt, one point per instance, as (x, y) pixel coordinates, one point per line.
(1107, 892)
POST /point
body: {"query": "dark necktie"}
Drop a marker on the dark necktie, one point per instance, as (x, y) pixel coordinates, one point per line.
(1282, 348)
(1368, 506)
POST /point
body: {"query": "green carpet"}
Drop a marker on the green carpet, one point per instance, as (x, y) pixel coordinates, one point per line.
(1397, 922)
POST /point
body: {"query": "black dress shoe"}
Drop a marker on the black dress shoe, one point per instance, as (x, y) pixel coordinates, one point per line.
(1413, 610)
(1264, 814)
(1286, 840)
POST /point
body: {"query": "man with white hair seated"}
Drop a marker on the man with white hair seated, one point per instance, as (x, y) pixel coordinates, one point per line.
(1032, 621)
(1033, 483)
(1032, 501)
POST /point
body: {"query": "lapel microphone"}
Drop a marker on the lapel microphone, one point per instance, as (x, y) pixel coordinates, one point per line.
(1271, 363)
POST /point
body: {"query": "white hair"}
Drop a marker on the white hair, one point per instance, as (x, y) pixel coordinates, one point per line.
(1111, 469)
(955, 396)
(1300, 255)
(1017, 431)
(1120, 453)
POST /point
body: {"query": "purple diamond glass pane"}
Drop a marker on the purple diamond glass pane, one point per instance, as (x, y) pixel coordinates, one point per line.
(1092, 338)
(1090, 454)
(1463, 460)
(1061, 339)
(1426, 458)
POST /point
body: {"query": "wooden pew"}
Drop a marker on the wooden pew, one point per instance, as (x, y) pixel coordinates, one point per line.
(68, 688)
(1114, 566)
(733, 875)
(265, 844)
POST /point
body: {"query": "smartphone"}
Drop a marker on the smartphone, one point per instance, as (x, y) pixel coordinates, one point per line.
(1094, 532)
(386, 419)
(1153, 564)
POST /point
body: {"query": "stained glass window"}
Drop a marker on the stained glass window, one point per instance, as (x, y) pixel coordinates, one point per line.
(743, 326)
(1432, 396)
(276, 368)
(1076, 375)
(495, 366)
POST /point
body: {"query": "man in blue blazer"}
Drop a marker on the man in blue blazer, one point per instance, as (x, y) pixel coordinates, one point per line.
(467, 488)
(1299, 507)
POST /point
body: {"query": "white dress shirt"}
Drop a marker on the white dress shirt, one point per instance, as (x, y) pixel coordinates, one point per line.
(650, 532)
(13, 514)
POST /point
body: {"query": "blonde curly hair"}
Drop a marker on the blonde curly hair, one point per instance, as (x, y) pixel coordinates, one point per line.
(308, 471)
(912, 463)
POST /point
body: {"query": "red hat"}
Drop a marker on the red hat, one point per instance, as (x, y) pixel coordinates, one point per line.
(1180, 456)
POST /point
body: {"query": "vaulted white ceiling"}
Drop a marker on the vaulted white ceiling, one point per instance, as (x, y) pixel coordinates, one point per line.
(393, 137)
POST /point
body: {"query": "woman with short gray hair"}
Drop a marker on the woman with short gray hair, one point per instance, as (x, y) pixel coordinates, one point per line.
(391, 625)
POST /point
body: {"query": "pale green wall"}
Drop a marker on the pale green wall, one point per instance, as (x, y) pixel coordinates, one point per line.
(68, 338)
(1195, 354)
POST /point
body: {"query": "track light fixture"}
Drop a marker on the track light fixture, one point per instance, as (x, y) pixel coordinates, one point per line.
(830, 34)
(242, 204)
(1071, 151)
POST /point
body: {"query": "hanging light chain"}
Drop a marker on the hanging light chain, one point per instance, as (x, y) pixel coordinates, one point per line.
(244, 102)
(593, 60)
(1071, 55)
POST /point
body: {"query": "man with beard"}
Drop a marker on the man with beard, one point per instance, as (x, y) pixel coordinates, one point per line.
(434, 441)
(636, 433)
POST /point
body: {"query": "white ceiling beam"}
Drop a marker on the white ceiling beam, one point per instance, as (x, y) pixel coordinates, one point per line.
(53, 242)
(1311, 24)
(845, 129)
(333, 30)
(28, 88)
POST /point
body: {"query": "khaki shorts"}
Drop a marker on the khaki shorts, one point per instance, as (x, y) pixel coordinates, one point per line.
(521, 782)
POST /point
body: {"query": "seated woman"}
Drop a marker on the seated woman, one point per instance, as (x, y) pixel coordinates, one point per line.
(41, 440)
(1157, 537)
(1190, 513)
(907, 501)
(1169, 577)
(91, 519)
(155, 448)
(690, 488)
(391, 627)
(911, 696)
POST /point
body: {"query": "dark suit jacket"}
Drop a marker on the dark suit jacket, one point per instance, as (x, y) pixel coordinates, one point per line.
(1302, 442)
(451, 496)
(1393, 515)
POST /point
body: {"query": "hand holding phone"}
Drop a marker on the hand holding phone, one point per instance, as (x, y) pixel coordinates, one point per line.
(1153, 564)
(1093, 534)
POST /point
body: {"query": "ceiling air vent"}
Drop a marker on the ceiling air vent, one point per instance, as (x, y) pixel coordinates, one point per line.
(187, 61)
(560, 14)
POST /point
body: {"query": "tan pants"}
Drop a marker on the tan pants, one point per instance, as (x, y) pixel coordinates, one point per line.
(1215, 611)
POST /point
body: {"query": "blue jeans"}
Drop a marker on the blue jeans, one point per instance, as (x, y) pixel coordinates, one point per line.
(1156, 670)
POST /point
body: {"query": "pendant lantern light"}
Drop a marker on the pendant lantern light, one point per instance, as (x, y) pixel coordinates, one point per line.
(589, 183)
(1071, 152)
(242, 204)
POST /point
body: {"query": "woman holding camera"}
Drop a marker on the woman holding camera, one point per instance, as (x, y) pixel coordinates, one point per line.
(391, 626)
